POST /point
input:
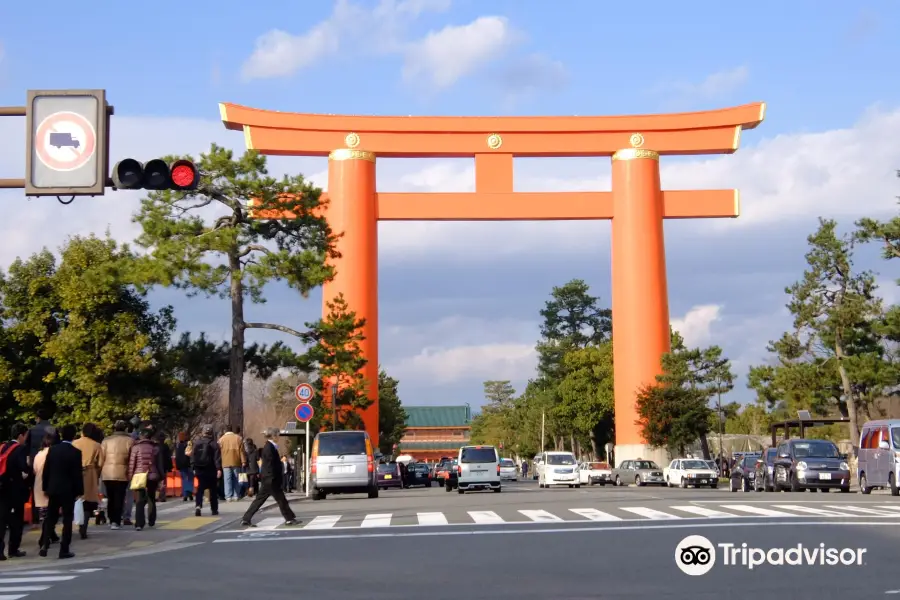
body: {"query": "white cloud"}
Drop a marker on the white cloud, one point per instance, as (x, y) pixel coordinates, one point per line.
(696, 326)
(713, 86)
(446, 56)
(512, 362)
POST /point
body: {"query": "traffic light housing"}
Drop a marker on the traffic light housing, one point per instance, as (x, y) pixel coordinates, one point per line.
(156, 174)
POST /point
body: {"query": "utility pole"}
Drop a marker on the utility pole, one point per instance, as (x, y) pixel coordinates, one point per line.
(720, 414)
(334, 400)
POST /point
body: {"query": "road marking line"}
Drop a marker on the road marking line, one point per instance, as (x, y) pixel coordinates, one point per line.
(703, 524)
(24, 588)
(432, 518)
(270, 523)
(485, 517)
(12, 596)
(703, 511)
(594, 515)
(541, 516)
(649, 513)
(758, 510)
(377, 520)
(865, 511)
(889, 506)
(809, 510)
(5, 580)
(323, 522)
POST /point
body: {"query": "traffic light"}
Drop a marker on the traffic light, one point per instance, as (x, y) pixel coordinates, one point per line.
(156, 174)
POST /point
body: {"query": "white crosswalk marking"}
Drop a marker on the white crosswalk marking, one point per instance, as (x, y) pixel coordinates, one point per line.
(541, 516)
(889, 506)
(656, 515)
(809, 510)
(865, 511)
(432, 518)
(323, 522)
(11, 596)
(40, 579)
(23, 588)
(377, 520)
(19, 584)
(594, 515)
(485, 517)
(270, 523)
(702, 511)
(757, 510)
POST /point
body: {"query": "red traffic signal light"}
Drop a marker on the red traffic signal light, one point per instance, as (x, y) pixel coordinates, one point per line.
(156, 174)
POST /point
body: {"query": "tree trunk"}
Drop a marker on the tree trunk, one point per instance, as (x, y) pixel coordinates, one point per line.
(595, 450)
(236, 363)
(848, 394)
(574, 448)
(704, 447)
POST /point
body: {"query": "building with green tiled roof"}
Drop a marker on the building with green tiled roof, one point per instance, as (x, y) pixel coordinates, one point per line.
(435, 431)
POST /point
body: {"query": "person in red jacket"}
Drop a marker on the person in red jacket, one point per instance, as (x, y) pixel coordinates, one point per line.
(144, 458)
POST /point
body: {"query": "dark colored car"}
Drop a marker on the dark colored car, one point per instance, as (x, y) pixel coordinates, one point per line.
(389, 476)
(418, 474)
(810, 465)
(743, 474)
(765, 466)
(440, 470)
(451, 479)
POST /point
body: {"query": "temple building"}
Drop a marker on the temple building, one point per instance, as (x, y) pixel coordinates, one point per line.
(435, 431)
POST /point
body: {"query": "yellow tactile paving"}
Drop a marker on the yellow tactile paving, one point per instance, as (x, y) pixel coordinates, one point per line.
(190, 523)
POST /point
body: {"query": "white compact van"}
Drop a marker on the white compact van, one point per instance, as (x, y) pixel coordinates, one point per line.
(879, 456)
(478, 468)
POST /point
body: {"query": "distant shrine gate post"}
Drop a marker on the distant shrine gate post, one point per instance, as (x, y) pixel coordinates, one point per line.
(636, 205)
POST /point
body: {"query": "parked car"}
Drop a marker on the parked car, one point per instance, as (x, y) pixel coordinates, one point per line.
(342, 462)
(451, 476)
(765, 465)
(814, 465)
(389, 476)
(508, 470)
(743, 475)
(594, 473)
(879, 456)
(684, 472)
(418, 474)
(441, 469)
(639, 472)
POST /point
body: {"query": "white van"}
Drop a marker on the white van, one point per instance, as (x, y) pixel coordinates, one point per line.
(559, 468)
(342, 462)
(879, 456)
(478, 468)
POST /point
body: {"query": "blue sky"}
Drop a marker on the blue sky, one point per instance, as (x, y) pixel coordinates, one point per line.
(459, 301)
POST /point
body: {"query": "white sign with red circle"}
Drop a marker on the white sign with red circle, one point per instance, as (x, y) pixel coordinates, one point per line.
(304, 393)
(65, 141)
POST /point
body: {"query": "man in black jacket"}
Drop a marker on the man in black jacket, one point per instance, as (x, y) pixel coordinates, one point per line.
(14, 489)
(271, 482)
(206, 461)
(63, 483)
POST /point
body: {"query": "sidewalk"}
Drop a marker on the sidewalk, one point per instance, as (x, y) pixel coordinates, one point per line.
(175, 522)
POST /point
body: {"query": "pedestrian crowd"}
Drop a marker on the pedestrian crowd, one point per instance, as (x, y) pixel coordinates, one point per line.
(67, 475)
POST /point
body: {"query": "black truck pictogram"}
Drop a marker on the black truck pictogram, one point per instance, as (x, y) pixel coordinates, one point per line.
(59, 140)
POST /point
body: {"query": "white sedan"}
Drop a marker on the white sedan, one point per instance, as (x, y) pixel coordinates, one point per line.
(508, 470)
(591, 473)
(686, 472)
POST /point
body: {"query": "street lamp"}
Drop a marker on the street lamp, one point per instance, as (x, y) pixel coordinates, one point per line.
(334, 397)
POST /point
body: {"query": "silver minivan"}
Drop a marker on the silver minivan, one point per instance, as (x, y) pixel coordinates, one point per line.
(342, 462)
(879, 456)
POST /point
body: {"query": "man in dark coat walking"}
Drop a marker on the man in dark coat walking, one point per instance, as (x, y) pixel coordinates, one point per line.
(14, 489)
(64, 484)
(206, 461)
(271, 482)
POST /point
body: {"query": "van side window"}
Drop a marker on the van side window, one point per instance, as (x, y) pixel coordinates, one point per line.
(782, 449)
(885, 436)
(865, 442)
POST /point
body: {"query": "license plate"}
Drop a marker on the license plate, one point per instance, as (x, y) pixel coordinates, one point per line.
(388, 476)
(824, 475)
(348, 469)
(702, 481)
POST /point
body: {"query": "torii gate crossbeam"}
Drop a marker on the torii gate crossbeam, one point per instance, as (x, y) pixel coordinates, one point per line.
(636, 205)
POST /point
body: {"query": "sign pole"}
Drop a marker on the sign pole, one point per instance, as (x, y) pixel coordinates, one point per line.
(306, 460)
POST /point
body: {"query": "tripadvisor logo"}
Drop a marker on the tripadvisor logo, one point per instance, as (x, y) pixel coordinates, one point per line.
(696, 555)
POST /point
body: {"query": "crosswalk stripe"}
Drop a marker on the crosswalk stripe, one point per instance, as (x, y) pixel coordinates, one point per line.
(656, 515)
(5, 580)
(809, 510)
(594, 515)
(889, 506)
(270, 523)
(541, 516)
(23, 588)
(485, 517)
(323, 522)
(865, 511)
(377, 520)
(702, 511)
(757, 510)
(432, 518)
(12, 596)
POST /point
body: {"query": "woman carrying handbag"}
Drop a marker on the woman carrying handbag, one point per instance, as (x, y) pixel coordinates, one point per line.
(143, 472)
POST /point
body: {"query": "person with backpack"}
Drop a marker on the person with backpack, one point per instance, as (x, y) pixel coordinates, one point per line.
(183, 450)
(206, 461)
(15, 472)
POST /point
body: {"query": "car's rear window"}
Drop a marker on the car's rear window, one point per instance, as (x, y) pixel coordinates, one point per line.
(478, 455)
(505, 462)
(421, 468)
(391, 468)
(560, 459)
(339, 444)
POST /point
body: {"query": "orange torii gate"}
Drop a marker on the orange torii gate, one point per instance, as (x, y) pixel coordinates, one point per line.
(636, 205)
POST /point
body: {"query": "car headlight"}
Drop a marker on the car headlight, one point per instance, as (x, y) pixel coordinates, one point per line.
(802, 466)
(845, 466)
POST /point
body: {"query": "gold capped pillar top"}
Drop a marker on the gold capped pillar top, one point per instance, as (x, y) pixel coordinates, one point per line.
(350, 154)
(634, 153)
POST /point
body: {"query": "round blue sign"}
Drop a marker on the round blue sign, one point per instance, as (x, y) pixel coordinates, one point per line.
(304, 412)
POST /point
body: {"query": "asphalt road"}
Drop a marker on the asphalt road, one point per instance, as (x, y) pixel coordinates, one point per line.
(519, 557)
